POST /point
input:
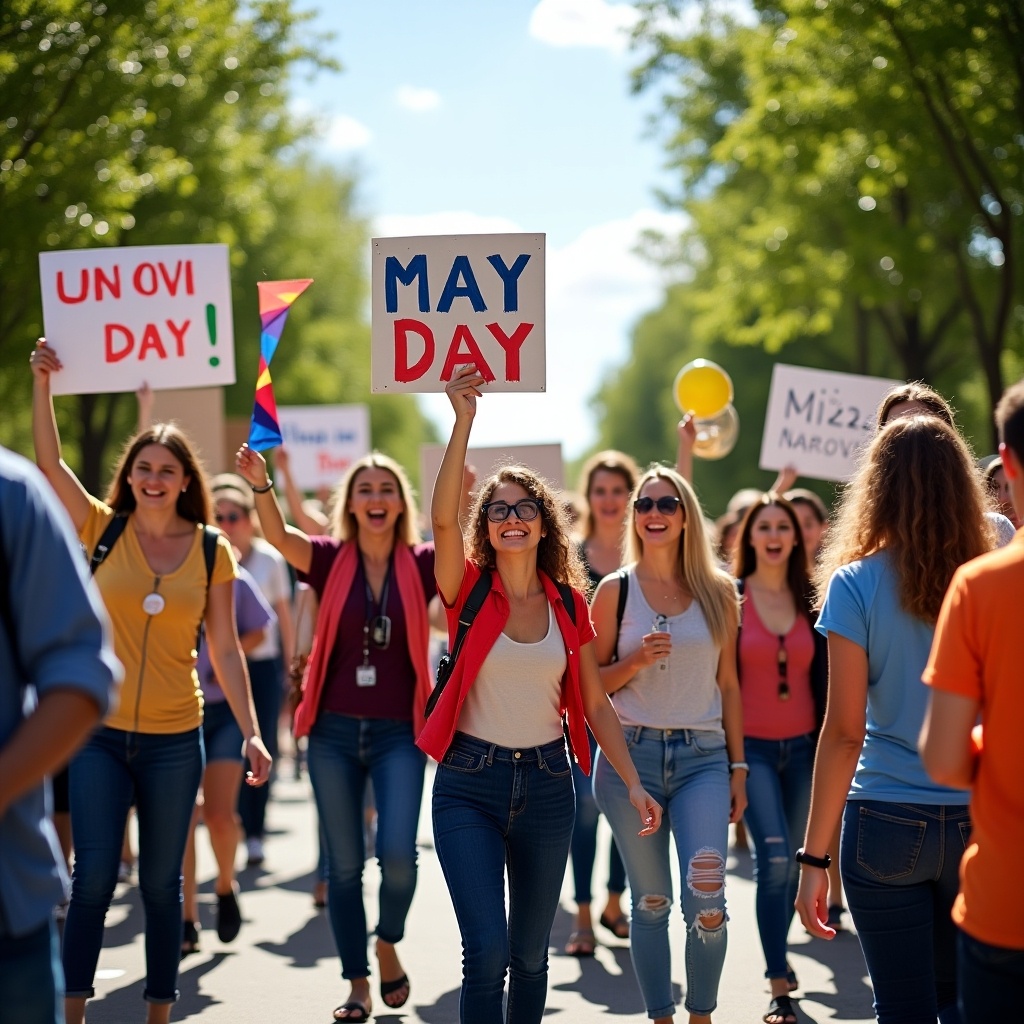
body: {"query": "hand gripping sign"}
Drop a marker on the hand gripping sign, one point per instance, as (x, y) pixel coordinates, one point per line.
(441, 301)
(150, 313)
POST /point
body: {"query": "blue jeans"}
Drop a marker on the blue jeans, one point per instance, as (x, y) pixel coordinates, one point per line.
(584, 837)
(161, 773)
(343, 753)
(900, 866)
(779, 797)
(496, 808)
(31, 979)
(991, 980)
(687, 772)
(267, 680)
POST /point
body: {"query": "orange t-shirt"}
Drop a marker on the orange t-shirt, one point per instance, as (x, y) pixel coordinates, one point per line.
(977, 653)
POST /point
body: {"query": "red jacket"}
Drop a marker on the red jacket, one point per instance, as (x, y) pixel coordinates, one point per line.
(436, 736)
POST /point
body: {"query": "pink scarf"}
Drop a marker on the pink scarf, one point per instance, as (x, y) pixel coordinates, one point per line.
(336, 590)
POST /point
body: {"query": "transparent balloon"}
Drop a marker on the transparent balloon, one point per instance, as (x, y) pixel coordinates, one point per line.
(717, 435)
(702, 388)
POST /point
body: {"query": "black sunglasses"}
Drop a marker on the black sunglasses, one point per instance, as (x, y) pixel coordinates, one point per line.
(229, 517)
(666, 505)
(526, 509)
(783, 670)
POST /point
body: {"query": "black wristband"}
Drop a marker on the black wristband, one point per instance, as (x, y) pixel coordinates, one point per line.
(812, 861)
(263, 490)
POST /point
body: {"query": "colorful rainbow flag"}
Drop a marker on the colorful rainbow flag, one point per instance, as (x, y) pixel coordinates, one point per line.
(276, 298)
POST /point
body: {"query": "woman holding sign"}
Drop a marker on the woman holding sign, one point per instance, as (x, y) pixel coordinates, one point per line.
(160, 577)
(503, 793)
(366, 684)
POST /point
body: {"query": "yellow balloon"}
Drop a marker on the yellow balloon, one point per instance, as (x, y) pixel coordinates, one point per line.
(702, 388)
(717, 435)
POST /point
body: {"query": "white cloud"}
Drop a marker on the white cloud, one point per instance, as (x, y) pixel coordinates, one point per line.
(416, 99)
(344, 133)
(594, 23)
(597, 287)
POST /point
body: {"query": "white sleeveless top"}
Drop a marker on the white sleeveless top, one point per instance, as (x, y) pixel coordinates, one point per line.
(514, 700)
(684, 693)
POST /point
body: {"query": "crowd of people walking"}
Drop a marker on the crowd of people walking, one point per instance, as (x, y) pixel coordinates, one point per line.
(805, 674)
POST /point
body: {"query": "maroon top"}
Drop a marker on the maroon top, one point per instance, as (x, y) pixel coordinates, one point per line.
(392, 696)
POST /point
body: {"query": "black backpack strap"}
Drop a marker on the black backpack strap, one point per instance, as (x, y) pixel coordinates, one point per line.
(107, 540)
(473, 604)
(6, 614)
(620, 608)
(210, 536)
(565, 592)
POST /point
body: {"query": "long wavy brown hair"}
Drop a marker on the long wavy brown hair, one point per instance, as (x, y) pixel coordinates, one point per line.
(918, 496)
(915, 391)
(193, 503)
(557, 555)
(745, 560)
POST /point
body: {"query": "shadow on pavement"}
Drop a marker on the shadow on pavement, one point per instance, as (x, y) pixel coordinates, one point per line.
(851, 996)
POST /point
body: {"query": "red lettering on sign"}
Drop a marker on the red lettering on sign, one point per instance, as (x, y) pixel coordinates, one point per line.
(112, 354)
(71, 299)
(151, 340)
(464, 349)
(113, 283)
(403, 371)
(179, 334)
(511, 345)
(144, 280)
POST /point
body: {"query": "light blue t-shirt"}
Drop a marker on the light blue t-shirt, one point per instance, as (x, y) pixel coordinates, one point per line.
(863, 604)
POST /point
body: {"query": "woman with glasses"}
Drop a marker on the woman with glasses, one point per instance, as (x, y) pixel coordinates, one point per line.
(503, 792)
(669, 664)
(158, 587)
(913, 513)
(783, 671)
(366, 684)
(266, 661)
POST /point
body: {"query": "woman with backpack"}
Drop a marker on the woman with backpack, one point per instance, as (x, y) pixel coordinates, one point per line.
(666, 641)
(503, 792)
(160, 578)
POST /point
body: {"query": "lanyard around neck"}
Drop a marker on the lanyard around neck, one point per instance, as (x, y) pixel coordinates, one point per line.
(369, 607)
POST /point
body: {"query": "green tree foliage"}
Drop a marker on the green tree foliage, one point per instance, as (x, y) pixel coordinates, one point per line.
(853, 173)
(165, 123)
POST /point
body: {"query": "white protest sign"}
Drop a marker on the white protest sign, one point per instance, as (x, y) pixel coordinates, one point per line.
(545, 459)
(440, 301)
(119, 317)
(818, 420)
(323, 441)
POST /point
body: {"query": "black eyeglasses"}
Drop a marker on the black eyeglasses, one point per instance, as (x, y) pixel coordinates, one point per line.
(783, 660)
(525, 509)
(666, 505)
(229, 517)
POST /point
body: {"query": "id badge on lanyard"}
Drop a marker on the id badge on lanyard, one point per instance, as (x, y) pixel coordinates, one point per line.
(379, 626)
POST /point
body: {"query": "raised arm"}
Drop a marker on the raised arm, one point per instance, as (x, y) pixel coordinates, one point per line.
(73, 495)
(449, 545)
(291, 542)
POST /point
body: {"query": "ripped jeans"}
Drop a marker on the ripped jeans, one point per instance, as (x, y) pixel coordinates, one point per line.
(687, 772)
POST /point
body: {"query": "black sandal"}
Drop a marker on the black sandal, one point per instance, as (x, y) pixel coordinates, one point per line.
(189, 938)
(781, 1006)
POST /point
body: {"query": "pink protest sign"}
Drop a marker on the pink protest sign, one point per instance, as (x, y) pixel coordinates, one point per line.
(119, 317)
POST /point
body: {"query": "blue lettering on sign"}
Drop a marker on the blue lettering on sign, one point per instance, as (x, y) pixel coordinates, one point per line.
(294, 434)
(510, 278)
(462, 270)
(395, 274)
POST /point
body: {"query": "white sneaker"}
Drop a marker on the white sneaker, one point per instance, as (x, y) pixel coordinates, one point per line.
(254, 849)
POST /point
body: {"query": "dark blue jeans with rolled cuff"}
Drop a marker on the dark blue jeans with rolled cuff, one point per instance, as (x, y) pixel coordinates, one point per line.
(901, 871)
(584, 837)
(31, 979)
(267, 680)
(778, 799)
(497, 809)
(161, 773)
(344, 753)
(991, 981)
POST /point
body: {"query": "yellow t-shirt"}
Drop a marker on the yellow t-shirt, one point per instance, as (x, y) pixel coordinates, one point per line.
(161, 691)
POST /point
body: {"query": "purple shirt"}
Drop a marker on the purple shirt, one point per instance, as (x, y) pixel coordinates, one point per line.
(251, 612)
(392, 696)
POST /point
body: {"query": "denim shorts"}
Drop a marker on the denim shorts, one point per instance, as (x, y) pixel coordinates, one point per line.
(221, 733)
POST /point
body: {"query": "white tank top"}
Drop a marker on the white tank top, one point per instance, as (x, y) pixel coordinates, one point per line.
(514, 700)
(682, 695)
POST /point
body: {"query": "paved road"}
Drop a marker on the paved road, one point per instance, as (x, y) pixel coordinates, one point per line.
(283, 968)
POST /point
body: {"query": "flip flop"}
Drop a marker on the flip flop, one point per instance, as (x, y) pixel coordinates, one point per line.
(353, 1012)
(581, 943)
(618, 926)
(388, 988)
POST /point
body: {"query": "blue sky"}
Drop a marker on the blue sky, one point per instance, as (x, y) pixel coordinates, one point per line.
(507, 116)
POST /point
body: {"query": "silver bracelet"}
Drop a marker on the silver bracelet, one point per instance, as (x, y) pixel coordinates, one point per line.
(733, 765)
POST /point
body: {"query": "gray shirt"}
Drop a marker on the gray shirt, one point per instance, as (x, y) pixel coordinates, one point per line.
(62, 640)
(681, 691)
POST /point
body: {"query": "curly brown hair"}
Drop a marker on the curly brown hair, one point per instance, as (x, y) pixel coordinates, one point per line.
(918, 496)
(557, 555)
(193, 503)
